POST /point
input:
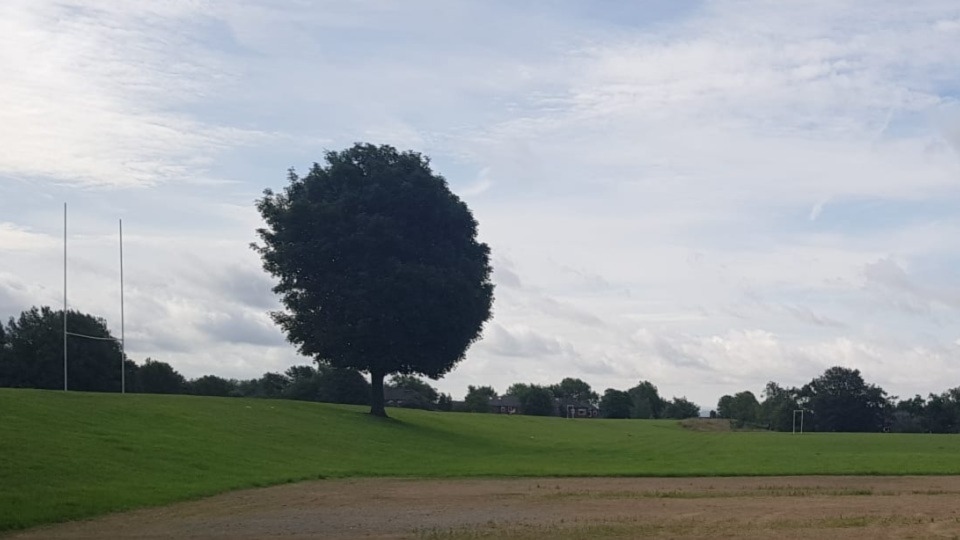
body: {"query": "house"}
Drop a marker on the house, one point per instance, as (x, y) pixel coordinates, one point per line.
(401, 397)
(568, 408)
(505, 405)
(562, 407)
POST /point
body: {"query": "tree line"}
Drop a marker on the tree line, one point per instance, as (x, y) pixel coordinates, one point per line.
(31, 356)
(841, 400)
(640, 401)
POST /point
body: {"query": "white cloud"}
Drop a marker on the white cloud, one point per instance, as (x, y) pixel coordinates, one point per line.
(654, 192)
(16, 238)
(97, 87)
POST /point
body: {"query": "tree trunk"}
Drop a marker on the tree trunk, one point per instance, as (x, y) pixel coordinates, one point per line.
(376, 394)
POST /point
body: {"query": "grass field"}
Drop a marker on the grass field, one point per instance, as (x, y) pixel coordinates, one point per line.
(71, 455)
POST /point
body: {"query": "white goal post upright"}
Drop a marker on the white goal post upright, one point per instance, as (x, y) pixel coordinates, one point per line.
(66, 332)
(123, 348)
(795, 411)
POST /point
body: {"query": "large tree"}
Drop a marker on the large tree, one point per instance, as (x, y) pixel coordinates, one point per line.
(647, 402)
(378, 264)
(615, 404)
(478, 398)
(742, 407)
(574, 390)
(33, 352)
(159, 378)
(535, 400)
(779, 404)
(680, 408)
(842, 401)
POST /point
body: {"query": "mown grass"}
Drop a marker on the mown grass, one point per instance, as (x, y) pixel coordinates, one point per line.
(71, 455)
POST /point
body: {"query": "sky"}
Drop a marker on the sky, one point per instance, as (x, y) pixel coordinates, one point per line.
(706, 195)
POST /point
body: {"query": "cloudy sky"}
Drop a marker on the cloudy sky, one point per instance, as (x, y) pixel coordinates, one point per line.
(707, 195)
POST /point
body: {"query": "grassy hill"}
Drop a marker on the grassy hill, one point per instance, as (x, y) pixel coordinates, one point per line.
(71, 455)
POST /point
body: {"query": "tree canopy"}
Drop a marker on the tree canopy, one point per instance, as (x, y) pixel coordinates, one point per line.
(32, 354)
(646, 401)
(615, 404)
(378, 265)
(478, 398)
(158, 378)
(534, 399)
(842, 401)
(742, 407)
(680, 408)
(574, 390)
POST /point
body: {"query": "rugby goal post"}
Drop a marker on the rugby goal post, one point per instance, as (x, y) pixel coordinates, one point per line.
(67, 334)
(795, 412)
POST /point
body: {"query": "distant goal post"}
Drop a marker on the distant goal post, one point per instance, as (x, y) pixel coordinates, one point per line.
(68, 334)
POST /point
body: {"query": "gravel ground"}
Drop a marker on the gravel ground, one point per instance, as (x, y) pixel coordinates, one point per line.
(754, 507)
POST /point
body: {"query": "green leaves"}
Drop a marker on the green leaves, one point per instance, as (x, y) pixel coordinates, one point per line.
(378, 263)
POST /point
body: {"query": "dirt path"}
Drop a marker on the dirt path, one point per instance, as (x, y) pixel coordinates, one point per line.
(784, 507)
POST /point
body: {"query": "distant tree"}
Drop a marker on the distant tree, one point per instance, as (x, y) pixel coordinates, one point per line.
(942, 412)
(4, 358)
(445, 403)
(908, 416)
(518, 390)
(159, 378)
(778, 405)
(842, 401)
(342, 385)
(245, 388)
(615, 404)
(378, 263)
(428, 394)
(680, 408)
(478, 398)
(742, 407)
(646, 401)
(33, 352)
(272, 385)
(574, 390)
(211, 385)
(535, 400)
(304, 383)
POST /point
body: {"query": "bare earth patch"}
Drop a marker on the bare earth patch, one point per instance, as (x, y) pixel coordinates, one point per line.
(784, 507)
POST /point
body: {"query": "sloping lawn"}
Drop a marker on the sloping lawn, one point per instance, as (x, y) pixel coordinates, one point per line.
(71, 455)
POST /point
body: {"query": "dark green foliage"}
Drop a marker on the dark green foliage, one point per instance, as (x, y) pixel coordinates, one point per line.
(427, 395)
(327, 384)
(304, 383)
(535, 400)
(743, 408)
(33, 352)
(378, 265)
(776, 411)
(646, 401)
(157, 378)
(5, 365)
(478, 398)
(574, 390)
(342, 385)
(445, 403)
(211, 385)
(942, 412)
(680, 408)
(615, 404)
(907, 416)
(842, 401)
(272, 385)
